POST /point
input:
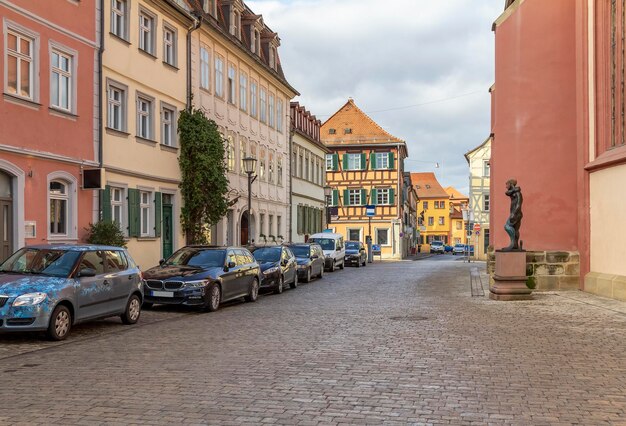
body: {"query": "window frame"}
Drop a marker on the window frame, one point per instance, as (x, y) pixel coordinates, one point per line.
(270, 109)
(172, 123)
(254, 110)
(383, 194)
(219, 76)
(149, 208)
(122, 204)
(243, 91)
(33, 60)
(351, 194)
(231, 80)
(71, 213)
(123, 16)
(377, 230)
(72, 56)
(486, 202)
(205, 68)
(150, 31)
(279, 115)
(382, 157)
(173, 44)
(123, 105)
(142, 97)
(352, 162)
(263, 105)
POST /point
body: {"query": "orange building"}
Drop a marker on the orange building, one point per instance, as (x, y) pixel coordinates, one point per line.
(433, 209)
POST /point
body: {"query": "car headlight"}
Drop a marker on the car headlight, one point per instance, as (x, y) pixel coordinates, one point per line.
(271, 270)
(195, 284)
(303, 266)
(30, 299)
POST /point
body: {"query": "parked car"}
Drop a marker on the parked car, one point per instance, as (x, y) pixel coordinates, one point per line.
(310, 259)
(447, 248)
(463, 249)
(203, 276)
(53, 287)
(356, 254)
(437, 247)
(278, 267)
(334, 249)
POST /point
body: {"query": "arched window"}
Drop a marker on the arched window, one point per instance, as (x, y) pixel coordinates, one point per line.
(59, 207)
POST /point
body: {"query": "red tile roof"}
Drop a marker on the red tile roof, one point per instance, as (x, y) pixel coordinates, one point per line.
(427, 186)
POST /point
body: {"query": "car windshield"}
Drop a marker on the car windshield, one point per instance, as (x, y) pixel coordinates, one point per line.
(351, 245)
(436, 243)
(326, 243)
(54, 263)
(300, 251)
(267, 254)
(197, 258)
(460, 245)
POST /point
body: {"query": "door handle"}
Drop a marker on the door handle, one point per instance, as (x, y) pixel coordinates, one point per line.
(106, 282)
(130, 277)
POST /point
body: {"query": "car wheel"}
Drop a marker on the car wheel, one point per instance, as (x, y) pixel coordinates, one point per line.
(254, 291)
(358, 264)
(307, 278)
(332, 266)
(60, 323)
(343, 264)
(294, 284)
(321, 274)
(215, 297)
(279, 286)
(133, 310)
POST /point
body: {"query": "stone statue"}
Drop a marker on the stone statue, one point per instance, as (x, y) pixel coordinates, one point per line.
(515, 218)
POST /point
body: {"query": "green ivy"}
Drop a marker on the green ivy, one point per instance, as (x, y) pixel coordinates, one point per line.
(204, 183)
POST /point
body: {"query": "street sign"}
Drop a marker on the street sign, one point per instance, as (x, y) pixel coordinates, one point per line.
(370, 210)
(477, 232)
(477, 227)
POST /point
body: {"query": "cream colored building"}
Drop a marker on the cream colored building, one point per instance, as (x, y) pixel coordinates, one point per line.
(238, 82)
(479, 198)
(308, 214)
(143, 90)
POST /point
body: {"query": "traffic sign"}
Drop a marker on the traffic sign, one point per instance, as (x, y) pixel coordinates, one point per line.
(370, 210)
(477, 227)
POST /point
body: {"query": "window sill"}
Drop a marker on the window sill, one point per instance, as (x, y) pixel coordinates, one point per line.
(145, 141)
(122, 39)
(21, 101)
(171, 66)
(147, 238)
(62, 113)
(114, 132)
(62, 239)
(205, 90)
(145, 52)
(611, 157)
(172, 149)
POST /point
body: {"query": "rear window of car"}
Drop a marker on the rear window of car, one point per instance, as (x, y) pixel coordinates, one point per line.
(115, 261)
(436, 243)
(92, 260)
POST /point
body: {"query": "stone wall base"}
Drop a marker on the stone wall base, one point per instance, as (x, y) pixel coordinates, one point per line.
(606, 285)
(547, 270)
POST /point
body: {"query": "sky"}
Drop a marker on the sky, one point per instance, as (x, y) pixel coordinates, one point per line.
(420, 68)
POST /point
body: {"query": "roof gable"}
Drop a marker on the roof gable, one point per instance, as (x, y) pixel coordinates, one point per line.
(427, 186)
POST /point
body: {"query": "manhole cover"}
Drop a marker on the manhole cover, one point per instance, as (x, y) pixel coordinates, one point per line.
(409, 318)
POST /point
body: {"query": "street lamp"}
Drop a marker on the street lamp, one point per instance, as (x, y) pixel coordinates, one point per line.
(249, 166)
(328, 192)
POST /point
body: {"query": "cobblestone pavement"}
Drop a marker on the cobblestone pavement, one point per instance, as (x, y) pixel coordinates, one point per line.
(393, 343)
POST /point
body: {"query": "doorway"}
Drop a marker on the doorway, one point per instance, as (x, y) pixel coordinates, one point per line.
(245, 229)
(6, 216)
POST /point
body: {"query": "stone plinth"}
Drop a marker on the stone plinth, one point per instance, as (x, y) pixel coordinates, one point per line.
(510, 277)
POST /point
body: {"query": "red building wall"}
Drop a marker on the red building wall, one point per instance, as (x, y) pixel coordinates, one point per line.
(534, 124)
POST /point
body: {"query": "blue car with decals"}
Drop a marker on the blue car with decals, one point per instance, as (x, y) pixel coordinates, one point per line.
(52, 287)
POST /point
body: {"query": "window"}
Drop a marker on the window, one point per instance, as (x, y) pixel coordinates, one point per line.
(92, 260)
(300, 165)
(486, 202)
(382, 236)
(332, 131)
(119, 18)
(262, 224)
(279, 115)
(272, 58)
(271, 110)
(169, 46)
(382, 196)
(168, 125)
(271, 167)
(116, 100)
(144, 117)
(219, 77)
(115, 261)
(231, 84)
(20, 55)
(354, 234)
(243, 150)
(253, 99)
(270, 231)
(263, 99)
(279, 231)
(59, 200)
(459, 225)
(354, 161)
(243, 92)
(117, 207)
(147, 31)
(486, 168)
(431, 221)
(61, 86)
(329, 162)
(145, 207)
(262, 164)
(279, 171)
(442, 220)
(205, 69)
(354, 197)
(230, 153)
(307, 175)
(380, 160)
(425, 205)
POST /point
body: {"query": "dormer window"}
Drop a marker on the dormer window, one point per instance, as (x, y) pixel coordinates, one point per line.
(235, 27)
(347, 131)
(332, 131)
(209, 7)
(272, 57)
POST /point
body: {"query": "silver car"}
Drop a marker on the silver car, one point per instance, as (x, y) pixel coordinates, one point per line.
(52, 287)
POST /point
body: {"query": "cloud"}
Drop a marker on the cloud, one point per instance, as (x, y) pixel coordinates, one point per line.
(393, 54)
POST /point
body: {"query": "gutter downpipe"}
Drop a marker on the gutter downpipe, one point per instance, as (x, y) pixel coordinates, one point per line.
(195, 26)
(290, 208)
(100, 113)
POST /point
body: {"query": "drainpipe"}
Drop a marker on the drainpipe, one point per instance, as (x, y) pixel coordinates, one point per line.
(195, 26)
(290, 209)
(100, 113)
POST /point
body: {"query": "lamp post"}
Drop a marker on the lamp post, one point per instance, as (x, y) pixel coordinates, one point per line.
(328, 192)
(249, 166)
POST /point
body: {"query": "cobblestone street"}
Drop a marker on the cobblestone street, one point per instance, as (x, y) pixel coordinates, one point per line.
(394, 343)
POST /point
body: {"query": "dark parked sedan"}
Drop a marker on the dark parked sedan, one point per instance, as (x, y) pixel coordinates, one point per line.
(203, 276)
(355, 253)
(310, 258)
(278, 267)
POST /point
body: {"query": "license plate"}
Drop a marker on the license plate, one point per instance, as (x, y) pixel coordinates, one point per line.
(162, 294)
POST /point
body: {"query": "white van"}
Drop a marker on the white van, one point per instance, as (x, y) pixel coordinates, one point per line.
(334, 249)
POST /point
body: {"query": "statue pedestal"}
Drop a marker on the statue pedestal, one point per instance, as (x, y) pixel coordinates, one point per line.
(510, 277)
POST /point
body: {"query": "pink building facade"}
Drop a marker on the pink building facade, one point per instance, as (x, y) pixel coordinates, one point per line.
(558, 127)
(48, 120)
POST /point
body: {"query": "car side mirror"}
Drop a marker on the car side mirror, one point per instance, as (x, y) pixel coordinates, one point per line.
(231, 265)
(284, 262)
(87, 272)
(161, 262)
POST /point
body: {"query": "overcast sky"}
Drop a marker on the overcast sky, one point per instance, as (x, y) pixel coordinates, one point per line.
(420, 68)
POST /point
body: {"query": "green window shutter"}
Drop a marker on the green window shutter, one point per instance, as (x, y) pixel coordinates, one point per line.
(391, 197)
(133, 212)
(373, 161)
(391, 162)
(346, 197)
(363, 161)
(363, 196)
(299, 224)
(345, 161)
(335, 197)
(335, 162)
(373, 195)
(158, 209)
(107, 215)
